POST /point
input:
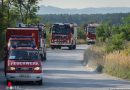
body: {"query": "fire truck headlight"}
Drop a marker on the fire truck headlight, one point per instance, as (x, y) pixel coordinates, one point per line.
(12, 68)
(37, 68)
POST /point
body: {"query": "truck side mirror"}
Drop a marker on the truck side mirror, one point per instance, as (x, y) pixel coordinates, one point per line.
(72, 30)
(41, 56)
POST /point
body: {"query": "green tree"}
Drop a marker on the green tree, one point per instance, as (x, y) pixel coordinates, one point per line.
(103, 32)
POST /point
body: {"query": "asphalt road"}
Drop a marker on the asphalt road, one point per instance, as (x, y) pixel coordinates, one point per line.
(63, 71)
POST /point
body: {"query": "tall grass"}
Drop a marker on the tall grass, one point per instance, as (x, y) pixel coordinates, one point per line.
(116, 63)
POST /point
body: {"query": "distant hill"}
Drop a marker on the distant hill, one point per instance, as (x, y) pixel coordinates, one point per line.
(104, 10)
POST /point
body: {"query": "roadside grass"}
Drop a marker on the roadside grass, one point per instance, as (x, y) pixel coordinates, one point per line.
(116, 63)
(93, 57)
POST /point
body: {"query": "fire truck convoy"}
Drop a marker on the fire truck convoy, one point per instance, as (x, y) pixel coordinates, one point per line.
(63, 35)
(27, 37)
(91, 33)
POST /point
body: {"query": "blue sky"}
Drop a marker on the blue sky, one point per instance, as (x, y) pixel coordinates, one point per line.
(85, 3)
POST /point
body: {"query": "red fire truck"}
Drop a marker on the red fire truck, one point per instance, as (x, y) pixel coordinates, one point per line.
(24, 64)
(27, 37)
(63, 35)
(91, 33)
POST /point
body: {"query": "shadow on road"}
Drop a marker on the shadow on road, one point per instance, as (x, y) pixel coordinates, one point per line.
(68, 72)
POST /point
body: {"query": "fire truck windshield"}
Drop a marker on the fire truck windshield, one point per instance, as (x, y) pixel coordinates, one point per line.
(24, 55)
(60, 29)
(22, 42)
(92, 30)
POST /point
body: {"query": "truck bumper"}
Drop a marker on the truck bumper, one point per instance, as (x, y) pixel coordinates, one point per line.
(91, 41)
(63, 45)
(24, 76)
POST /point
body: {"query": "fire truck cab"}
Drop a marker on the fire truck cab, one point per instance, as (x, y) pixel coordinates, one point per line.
(63, 35)
(24, 64)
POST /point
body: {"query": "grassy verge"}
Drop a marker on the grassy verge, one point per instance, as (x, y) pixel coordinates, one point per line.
(116, 63)
(93, 57)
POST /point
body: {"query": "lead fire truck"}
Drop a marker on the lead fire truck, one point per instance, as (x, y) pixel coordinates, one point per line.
(91, 33)
(63, 35)
(24, 64)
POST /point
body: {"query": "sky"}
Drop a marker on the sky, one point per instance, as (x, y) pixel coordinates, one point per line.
(85, 3)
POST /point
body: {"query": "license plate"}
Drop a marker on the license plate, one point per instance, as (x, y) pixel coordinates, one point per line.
(24, 75)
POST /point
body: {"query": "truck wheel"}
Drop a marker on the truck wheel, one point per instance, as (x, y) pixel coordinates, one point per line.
(42, 58)
(88, 43)
(40, 82)
(70, 47)
(52, 47)
(59, 47)
(74, 47)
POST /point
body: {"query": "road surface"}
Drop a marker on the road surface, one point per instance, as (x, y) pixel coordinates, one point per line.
(63, 71)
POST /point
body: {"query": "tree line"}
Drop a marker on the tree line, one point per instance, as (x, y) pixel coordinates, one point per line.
(82, 19)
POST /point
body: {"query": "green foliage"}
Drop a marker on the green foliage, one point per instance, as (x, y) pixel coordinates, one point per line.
(103, 32)
(81, 33)
(113, 36)
(115, 43)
